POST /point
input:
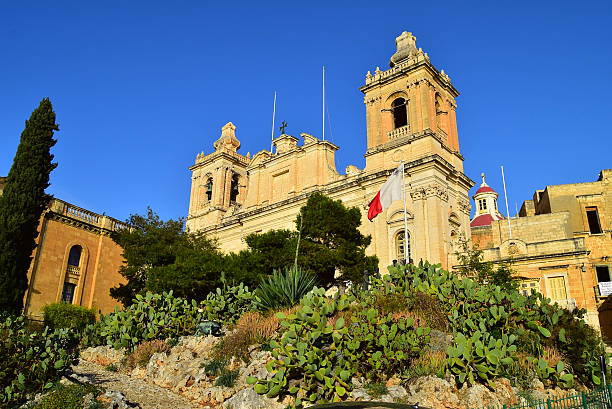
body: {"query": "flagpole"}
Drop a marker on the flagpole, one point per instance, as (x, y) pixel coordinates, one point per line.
(273, 117)
(323, 114)
(506, 197)
(406, 258)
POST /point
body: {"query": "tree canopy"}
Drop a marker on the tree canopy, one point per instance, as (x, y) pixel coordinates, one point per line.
(472, 265)
(331, 240)
(22, 203)
(161, 256)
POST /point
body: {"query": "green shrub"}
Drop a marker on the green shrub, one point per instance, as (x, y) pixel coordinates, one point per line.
(284, 289)
(142, 354)
(69, 397)
(111, 368)
(215, 366)
(151, 316)
(31, 361)
(369, 344)
(164, 316)
(533, 322)
(431, 363)
(377, 389)
(227, 304)
(70, 316)
(227, 378)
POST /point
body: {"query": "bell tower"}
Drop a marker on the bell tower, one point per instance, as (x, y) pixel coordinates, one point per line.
(410, 110)
(218, 182)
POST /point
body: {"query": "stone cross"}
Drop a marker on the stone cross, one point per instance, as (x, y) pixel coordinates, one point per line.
(282, 127)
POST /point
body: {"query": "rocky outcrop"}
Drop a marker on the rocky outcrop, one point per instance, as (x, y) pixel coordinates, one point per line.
(182, 371)
(103, 355)
(248, 399)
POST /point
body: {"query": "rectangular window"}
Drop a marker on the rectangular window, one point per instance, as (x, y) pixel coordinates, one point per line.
(603, 274)
(68, 293)
(529, 286)
(482, 204)
(557, 288)
(593, 219)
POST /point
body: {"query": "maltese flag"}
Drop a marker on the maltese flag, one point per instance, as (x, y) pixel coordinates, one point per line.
(389, 192)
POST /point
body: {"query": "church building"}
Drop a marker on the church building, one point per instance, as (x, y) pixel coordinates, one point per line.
(410, 113)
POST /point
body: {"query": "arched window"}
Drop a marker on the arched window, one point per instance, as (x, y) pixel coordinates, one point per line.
(209, 189)
(400, 114)
(401, 248)
(234, 192)
(74, 257)
(72, 273)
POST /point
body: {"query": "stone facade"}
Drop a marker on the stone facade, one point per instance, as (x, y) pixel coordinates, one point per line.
(560, 245)
(410, 116)
(75, 260)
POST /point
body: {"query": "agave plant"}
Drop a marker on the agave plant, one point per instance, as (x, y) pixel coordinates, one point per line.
(284, 289)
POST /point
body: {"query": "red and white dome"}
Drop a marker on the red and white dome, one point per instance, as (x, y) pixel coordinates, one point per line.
(485, 200)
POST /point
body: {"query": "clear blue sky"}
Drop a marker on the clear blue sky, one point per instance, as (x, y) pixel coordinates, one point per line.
(141, 87)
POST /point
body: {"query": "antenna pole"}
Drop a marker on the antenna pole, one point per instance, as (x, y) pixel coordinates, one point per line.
(323, 114)
(506, 197)
(406, 255)
(273, 117)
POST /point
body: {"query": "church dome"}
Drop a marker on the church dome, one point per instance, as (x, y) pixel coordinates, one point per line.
(485, 189)
(485, 200)
(482, 220)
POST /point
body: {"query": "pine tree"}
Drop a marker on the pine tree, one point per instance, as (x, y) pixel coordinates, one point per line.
(22, 203)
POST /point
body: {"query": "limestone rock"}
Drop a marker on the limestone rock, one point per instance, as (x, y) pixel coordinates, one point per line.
(359, 394)
(248, 399)
(117, 400)
(478, 396)
(439, 341)
(103, 355)
(432, 392)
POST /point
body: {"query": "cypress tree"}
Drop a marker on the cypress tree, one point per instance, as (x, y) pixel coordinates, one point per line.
(22, 203)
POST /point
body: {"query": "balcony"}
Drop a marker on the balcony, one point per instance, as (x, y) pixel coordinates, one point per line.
(399, 132)
(73, 272)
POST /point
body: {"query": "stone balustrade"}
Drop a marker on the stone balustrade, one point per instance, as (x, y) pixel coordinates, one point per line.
(77, 213)
(73, 271)
(399, 132)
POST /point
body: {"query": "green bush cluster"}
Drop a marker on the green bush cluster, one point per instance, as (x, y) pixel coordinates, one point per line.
(496, 314)
(284, 289)
(164, 316)
(70, 397)
(228, 303)
(31, 361)
(150, 316)
(496, 332)
(70, 316)
(327, 342)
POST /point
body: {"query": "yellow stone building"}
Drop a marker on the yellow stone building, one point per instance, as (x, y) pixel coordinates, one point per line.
(560, 245)
(75, 260)
(410, 115)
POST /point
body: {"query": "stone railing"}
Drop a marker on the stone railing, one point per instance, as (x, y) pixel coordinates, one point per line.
(201, 157)
(412, 60)
(77, 213)
(73, 271)
(399, 132)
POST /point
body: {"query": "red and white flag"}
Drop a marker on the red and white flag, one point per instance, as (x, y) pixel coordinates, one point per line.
(389, 192)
